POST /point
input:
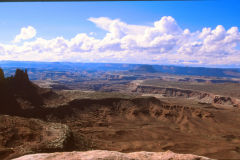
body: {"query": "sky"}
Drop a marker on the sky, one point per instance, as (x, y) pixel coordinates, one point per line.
(192, 33)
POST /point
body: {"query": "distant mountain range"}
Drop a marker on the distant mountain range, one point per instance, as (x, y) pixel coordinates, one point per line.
(93, 67)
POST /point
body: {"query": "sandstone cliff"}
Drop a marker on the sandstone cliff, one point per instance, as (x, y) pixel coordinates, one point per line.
(187, 93)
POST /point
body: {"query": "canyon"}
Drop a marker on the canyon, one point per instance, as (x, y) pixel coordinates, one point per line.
(163, 121)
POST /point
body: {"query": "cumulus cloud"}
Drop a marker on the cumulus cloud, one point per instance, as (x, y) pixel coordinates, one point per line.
(165, 42)
(25, 33)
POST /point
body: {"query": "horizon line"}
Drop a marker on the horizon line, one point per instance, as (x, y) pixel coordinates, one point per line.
(173, 65)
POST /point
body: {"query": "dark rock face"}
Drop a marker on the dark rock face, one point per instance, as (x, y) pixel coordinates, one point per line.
(23, 88)
(8, 103)
(18, 93)
(21, 76)
(1, 74)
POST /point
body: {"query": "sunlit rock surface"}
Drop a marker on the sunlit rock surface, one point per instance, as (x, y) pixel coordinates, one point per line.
(111, 155)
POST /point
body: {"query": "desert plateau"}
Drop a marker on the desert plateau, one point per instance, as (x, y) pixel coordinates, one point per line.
(168, 116)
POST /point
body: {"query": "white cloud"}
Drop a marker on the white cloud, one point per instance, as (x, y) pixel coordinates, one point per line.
(165, 42)
(25, 33)
(168, 25)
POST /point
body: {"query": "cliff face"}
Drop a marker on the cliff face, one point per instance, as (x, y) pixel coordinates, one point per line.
(176, 92)
(18, 93)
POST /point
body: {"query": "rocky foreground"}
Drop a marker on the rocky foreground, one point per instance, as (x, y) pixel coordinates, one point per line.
(111, 155)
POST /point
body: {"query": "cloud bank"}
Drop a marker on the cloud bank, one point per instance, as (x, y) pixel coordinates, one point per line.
(25, 33)
(163, 43)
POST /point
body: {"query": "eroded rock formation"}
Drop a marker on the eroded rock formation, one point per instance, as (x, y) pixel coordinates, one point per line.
(186, 93)
(19, 136)
(18, 93)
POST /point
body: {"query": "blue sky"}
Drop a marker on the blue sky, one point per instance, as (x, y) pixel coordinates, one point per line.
(67, 19)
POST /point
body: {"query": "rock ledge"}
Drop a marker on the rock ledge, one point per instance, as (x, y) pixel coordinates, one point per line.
(111, 155)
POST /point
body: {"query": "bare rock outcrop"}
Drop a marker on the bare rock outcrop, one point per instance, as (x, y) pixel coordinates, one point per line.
(112, 155)
(19, 136)
(18, 93)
